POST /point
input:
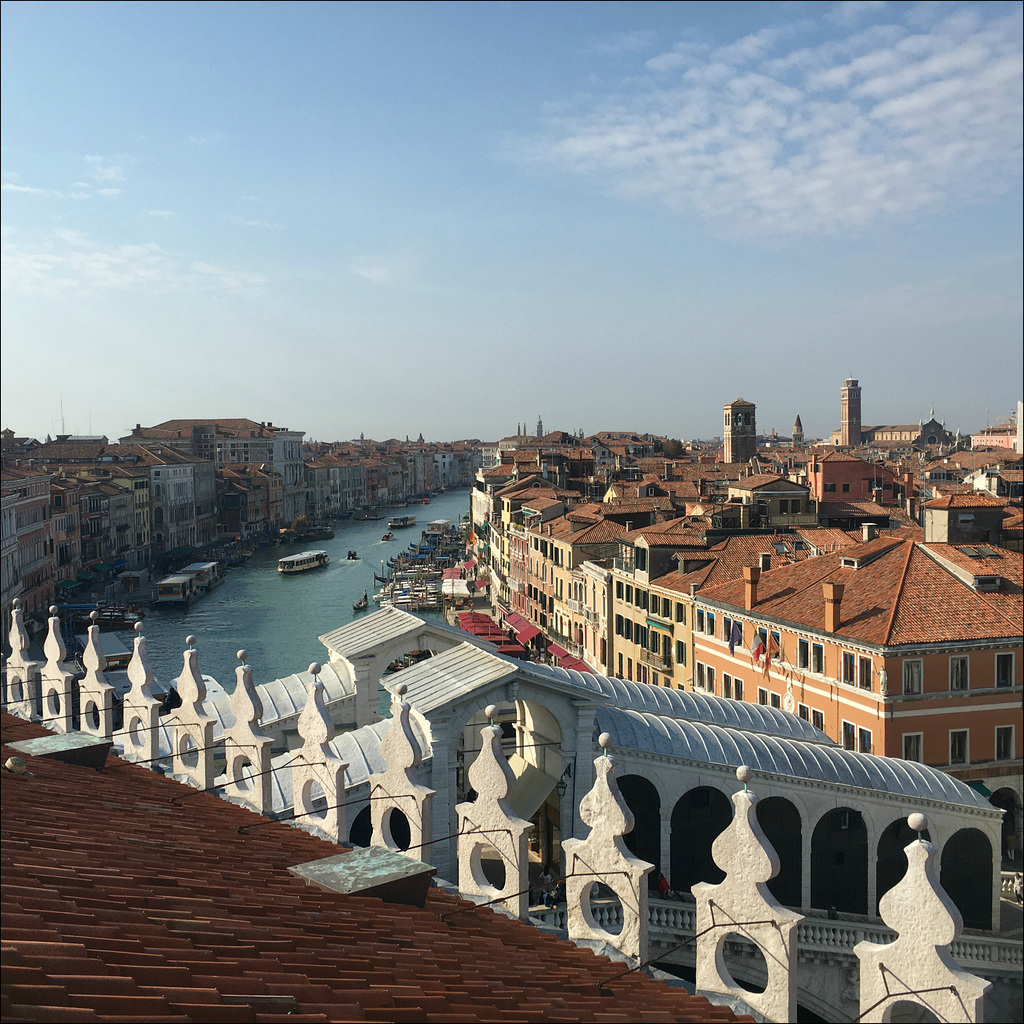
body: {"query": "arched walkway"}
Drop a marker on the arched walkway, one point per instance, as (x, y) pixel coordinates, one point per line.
(781, 823)
(966, 875)
(891, 863)
(645, 803)
(1008, 802)
(839, 862)
(698, 818)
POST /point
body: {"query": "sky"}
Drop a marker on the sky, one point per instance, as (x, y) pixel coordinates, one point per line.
(450, 219)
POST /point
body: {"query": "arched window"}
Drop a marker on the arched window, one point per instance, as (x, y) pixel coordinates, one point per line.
(781, 823)
(839, 862)
(643, 800)
(698, 818)
(966, 875)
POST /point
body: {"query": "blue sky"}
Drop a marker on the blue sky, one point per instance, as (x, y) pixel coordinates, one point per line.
(452, 218)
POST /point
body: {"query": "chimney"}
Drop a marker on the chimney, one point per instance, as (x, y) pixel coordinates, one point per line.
(750, 577)
(833, 604)
(868, 532)
(765, 560)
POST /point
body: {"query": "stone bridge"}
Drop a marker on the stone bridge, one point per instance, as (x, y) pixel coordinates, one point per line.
(827, 969)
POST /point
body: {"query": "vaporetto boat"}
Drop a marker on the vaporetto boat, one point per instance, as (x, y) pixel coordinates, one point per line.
(303, 561)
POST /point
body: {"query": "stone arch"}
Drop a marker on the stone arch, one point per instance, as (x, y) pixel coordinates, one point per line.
(966, 875)
(698, 818)
(644, 800)
(782, 824)
(890, 860)
(1008, 801)
(839, 862)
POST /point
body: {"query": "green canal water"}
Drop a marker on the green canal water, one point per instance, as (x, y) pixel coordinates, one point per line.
(278, 618)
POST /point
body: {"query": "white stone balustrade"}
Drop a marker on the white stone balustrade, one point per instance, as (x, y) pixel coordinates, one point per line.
(317, 772)
(742, 906)
(21, 688)
(246, 745)
(489, 828)
(603, 857)
(918, 966)
(95, 694)
(192, 728)
(140, 740)
(394, 789)
(56, 678)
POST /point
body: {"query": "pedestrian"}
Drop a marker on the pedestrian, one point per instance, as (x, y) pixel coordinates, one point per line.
(1018, 888)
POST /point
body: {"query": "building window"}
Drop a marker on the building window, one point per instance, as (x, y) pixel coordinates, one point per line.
(849, 663)
(680, 612)
(818, 720)
(699, 624)
(830, 488)
(959, 672)
(849, 736)
(629, 594)
(1004, 742)
(680, 652)
(726, 628)
(762, 696)
(958, 739)
(846, 488)
(864, 741)
(864, 676)
(913, 673)
(618, 589)
(913, 744)
(818, 659)
(737, 685)
(804, 712)
(618, 625)
(711, 679)
(700, 674)
(1004, 670)
(803, 654)
(726, 684)
(776, 701)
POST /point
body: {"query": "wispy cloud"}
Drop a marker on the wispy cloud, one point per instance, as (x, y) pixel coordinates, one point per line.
(103, 168)
(384, 270)
(29, 190)
(248, 222)
(767, 136)
(69, 261)
(624, 42)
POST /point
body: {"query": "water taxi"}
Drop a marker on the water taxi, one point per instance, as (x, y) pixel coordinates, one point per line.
(400, 522)
(303, 561)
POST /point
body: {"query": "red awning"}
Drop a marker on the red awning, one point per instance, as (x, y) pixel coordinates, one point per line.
(527, 632)
(482, 584)
(514, 620)
(558, 652)
(469, 563)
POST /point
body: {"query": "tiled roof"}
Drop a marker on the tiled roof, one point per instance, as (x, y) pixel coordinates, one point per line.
(970, 499)
(902, 596)
(127, 897)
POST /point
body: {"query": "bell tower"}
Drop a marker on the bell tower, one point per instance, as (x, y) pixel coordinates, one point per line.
(849, 424)
(740, 431)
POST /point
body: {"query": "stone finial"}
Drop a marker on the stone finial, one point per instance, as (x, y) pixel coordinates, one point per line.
(395, 789)
(604, 857)
(56, 677)
(246, 745)
(18, 637)
(140, 739)
(22, 694)
(917, 967)
(192, 726)
(742, 906)
(96, 695)
(488, 827)
(316, 766)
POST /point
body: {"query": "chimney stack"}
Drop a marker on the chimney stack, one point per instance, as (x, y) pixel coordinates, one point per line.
(868, 532)
(833, 605)
(750, 577)
(765, 560)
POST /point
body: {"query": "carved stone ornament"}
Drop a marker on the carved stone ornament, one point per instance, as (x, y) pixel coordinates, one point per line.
(22, 696)
(604, 858)
(56, 677)
(192, 727)
(394, 789)
(318, 774)
(741, 907)
(140, 739)
(917, 967)
(246, 745)
(489, 829)
(95, 694)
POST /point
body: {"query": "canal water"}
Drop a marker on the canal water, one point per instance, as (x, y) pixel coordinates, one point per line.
(277, 618)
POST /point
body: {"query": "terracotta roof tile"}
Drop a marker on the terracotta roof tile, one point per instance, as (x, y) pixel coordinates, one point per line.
(121, 904)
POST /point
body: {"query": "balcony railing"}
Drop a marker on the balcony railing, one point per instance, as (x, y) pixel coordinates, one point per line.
(656, 660)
